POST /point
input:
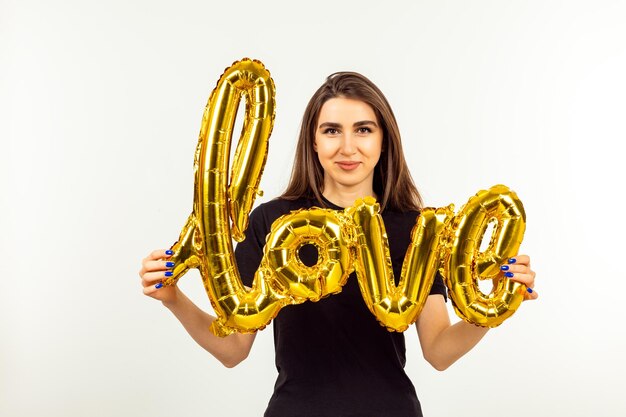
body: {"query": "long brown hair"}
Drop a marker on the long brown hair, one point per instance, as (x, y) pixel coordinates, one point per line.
(392, 180)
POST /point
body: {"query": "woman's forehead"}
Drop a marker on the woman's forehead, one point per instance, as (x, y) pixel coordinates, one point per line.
(346, 110)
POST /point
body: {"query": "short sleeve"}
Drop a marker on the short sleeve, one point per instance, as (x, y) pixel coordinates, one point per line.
(439, 287)
(249, 252)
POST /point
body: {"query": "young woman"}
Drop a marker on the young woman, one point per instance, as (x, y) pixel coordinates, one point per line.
(333, 357)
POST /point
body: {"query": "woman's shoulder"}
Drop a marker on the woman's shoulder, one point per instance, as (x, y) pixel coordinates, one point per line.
(271, 210)
(283, 205)
(279, 206)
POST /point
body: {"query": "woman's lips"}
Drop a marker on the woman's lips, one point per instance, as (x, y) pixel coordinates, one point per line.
(348, 166)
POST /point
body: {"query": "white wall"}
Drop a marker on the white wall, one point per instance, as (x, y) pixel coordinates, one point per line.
(101, 103)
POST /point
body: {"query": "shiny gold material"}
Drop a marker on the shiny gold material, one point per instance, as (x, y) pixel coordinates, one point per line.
(205, 241)
(396, 307)
(325, 229)
(464, 264)
(351, 239)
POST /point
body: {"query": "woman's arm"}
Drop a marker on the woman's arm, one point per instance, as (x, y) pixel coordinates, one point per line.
(443, 343)
(229, 350)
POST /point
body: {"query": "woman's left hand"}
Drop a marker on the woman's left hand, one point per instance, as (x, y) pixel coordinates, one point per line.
(518, 269)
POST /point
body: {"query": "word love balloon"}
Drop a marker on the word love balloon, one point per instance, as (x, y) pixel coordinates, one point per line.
(353, 239)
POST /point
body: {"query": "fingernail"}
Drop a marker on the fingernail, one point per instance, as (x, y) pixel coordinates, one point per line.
(509, 274)
(512, 260)
(530, 290)
(171, 264)
(504, 268)
(169, 252)
(168, 273)
(158, 285)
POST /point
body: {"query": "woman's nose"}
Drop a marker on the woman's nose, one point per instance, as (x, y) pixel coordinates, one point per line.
(348, 146)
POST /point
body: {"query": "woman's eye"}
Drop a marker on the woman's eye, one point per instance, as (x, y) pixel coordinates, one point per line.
(364, 130)
(331, 131)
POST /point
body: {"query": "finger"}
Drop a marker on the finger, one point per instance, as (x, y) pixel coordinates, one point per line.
(519, 259)
(516, 268)
(526, 279)
(159, 254)
(531, 295)
(160, 265)
(147, 264)
(150, 290)
(151, 278)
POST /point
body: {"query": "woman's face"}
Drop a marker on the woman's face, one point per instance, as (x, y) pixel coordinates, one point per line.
(348, 142)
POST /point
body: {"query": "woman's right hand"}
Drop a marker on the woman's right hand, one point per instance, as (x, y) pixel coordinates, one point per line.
(154, 269)
(229, 350)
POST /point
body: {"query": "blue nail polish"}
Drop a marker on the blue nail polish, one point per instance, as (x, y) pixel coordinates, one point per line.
(169, 252)
(530, 290)
(504, 268)
(509, 274)
(159, 285)
(168, 273)
(169, 264)
(512, 260)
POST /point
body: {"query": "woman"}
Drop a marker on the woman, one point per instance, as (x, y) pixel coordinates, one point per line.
(332, 356)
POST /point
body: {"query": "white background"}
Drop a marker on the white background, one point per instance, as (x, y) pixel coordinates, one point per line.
(101, 103)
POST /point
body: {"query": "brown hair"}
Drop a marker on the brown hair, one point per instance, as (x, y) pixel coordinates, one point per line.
(390, 174)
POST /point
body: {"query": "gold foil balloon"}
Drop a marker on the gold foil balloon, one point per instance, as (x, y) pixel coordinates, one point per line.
(464, 264)
(205, 241)
(325, 229)
(353, 238)
(396, 307)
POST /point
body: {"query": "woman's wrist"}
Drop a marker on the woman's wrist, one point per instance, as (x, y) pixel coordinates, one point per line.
(172, 302)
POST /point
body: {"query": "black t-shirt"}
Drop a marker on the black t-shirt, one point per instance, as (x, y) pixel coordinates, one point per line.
(333, 357)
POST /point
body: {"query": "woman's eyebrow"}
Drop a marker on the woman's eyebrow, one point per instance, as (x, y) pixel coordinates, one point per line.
(330, 124)
(356, 124)
(365, 123)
